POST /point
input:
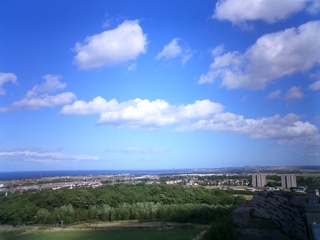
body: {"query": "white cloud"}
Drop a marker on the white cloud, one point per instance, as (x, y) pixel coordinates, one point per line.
(314, 7)
(200, 115)
(142, 151)
(97, 105)
(52, 84)
(173, 50)
(154, 114)
(199, 109)
(38, 96)
(272, 56)
(275, 94)
(186, 58)
(294, 93)
(4, 78)
(139, 113)
(132, 67)
(310, 154)
(42, 156)
(314, 86)
(43, 101)
(111, 47)
(267, 10)
(288, 130)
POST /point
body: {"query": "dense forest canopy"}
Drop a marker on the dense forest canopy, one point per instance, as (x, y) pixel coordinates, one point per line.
(117, 202)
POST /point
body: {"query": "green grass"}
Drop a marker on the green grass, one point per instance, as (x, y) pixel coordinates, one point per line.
(10, 232)
(136, 234)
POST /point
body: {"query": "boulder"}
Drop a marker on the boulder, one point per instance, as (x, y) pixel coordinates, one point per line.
(271, 216)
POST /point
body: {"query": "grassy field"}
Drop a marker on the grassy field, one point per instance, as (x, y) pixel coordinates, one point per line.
(116, 231)
(181, 234)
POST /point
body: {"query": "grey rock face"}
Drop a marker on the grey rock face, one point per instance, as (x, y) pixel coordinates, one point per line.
(272, 216)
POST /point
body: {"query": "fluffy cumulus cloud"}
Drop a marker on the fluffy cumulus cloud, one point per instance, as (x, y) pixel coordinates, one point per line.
(38, 97)
(271, 57)
(4, 78)
(97, 105)
(111, 47)
(140, 113)
(137, 113)
(173, 50)
(266, 10)
(42, 156)
(294, 93)
(200, 115)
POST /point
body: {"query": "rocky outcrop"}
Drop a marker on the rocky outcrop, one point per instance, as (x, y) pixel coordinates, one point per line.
(272, 216)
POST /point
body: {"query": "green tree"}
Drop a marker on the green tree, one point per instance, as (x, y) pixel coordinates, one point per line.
(42, 215)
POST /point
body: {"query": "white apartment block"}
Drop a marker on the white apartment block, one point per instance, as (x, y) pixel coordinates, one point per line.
(259, 180)
(288, 181)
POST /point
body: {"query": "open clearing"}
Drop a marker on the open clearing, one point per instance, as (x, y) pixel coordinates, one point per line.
(110, 231)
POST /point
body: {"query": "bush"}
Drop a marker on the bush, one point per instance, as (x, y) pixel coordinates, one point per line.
(221, 229)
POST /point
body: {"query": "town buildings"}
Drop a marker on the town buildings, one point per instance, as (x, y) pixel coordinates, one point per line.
(259, 180)
(288, 181)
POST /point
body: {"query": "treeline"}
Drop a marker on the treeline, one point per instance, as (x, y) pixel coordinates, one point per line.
(117, 202)
(305, 180)
(142, 211)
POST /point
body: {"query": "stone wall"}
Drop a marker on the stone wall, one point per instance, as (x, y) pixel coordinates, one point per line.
(273, 215)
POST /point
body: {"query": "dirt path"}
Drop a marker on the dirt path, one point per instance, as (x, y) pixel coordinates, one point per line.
(133, 225)
(104, 226)
(200, 235)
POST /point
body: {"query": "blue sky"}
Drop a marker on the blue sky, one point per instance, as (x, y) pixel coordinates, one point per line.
(148, 84)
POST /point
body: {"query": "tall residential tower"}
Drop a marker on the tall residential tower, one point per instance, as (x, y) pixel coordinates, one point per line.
(288, 181)
(259, 180)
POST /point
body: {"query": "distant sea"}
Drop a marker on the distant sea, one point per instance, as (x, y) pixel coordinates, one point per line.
(38, 174)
